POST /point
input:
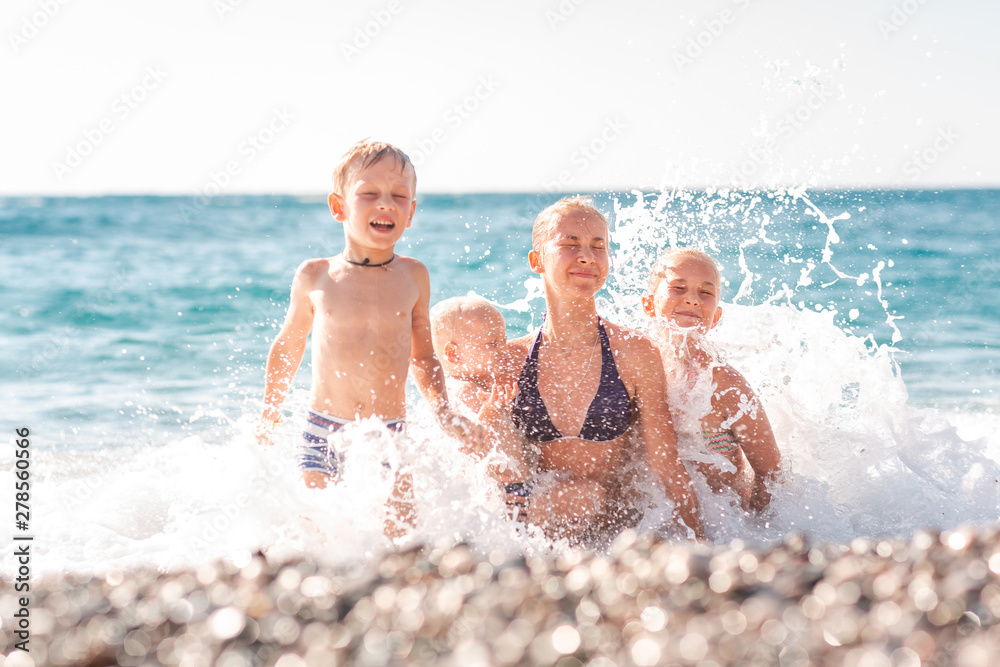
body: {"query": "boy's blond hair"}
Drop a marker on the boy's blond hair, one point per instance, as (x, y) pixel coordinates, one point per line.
(364, 154)
(542, 228)
(656, 275)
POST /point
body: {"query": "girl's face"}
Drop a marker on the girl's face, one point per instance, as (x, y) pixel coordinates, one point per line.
(575, 255)
(688, 294)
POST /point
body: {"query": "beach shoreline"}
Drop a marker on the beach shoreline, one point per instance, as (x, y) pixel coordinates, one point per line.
(931, 600)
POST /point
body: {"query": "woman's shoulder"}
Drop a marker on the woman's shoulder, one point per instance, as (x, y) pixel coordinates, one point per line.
(625, 340)
(517, 353)
(522, 343)
(637, 358)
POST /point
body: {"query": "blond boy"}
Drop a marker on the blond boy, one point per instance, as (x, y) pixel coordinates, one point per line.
(367, 311)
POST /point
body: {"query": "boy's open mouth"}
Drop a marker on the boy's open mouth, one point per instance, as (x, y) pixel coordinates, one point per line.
(383, 225)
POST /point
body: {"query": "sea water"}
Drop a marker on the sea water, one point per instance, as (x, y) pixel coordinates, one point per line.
(134, 332)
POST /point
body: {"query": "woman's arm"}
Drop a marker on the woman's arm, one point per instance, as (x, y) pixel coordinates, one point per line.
(657, 428)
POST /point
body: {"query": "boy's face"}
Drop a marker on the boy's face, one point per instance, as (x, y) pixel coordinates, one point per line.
(482, 344)
(378, 204)
(688, 294)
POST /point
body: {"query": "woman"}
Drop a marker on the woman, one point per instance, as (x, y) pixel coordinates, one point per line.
(588, 390)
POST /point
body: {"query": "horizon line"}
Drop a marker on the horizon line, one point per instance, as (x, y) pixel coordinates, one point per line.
(554, 193)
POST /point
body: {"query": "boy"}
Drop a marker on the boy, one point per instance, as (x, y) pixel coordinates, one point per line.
(470, 339)
(367, 311)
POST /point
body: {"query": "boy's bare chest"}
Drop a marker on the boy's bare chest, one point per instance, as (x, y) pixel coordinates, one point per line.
(379, 300)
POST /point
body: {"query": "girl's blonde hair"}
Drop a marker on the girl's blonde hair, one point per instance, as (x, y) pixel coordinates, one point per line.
(656, 275)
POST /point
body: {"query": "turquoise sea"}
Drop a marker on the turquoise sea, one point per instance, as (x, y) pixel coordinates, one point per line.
(134, 332)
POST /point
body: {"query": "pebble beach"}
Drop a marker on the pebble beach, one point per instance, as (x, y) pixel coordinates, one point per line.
(931, 600)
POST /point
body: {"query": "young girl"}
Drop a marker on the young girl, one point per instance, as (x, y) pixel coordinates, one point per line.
(683, 294)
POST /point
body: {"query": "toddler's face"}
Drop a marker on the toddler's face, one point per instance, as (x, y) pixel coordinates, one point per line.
(688, 294)
(483, 344)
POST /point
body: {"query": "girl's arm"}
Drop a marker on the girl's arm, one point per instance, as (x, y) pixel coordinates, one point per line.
(744, 414)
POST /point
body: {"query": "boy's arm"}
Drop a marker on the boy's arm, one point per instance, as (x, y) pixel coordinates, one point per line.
(427, 372)
(494, 415)
(286, 351)
(752, 429)
(657, 432)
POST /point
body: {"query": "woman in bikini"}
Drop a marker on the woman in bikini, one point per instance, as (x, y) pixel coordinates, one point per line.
(589, 391)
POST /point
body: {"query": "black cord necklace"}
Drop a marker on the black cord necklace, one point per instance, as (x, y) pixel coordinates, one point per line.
(367, 262)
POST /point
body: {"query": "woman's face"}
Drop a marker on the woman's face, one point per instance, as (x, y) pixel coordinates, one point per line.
(574, 257)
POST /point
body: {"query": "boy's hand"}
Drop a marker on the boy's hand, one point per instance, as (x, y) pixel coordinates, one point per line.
(266, 423)
(499, 402)
(462, 428)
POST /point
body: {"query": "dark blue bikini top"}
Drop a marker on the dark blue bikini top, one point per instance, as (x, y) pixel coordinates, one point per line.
(608, 417)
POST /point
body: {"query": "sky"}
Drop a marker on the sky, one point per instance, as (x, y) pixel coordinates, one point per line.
(246, 96)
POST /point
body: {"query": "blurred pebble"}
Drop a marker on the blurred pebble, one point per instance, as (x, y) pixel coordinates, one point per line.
(646, 601)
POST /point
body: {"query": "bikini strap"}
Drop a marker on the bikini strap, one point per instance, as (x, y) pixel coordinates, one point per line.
(535, 346)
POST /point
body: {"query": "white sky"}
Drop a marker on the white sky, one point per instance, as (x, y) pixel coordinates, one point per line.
(842, 93)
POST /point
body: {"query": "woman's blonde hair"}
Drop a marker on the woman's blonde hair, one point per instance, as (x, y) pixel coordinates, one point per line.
(542, 228)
